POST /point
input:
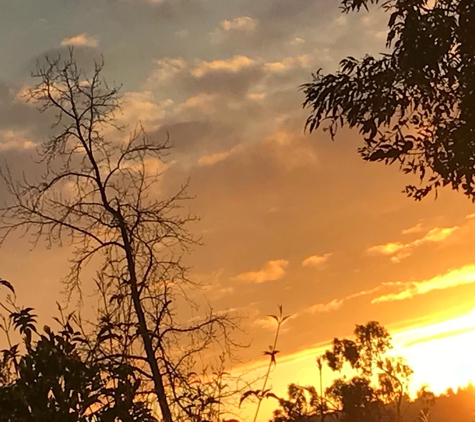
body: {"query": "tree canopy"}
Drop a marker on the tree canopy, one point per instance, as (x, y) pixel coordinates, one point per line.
(415, 103)
(360, 398)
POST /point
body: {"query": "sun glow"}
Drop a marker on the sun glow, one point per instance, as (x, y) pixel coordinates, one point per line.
(441, 354)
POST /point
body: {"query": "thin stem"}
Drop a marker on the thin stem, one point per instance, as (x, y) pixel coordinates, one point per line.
(280, 320)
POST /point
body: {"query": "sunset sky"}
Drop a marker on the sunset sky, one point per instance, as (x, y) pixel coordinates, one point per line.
(286, 217)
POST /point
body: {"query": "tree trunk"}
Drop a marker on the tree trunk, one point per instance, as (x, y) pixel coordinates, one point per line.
(143, 329)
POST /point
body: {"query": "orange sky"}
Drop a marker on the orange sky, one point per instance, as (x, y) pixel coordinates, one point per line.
(287, 218)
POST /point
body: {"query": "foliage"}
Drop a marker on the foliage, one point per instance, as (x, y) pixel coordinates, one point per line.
(381, 382)
(415, 104)
(302, 405)
(358, 400)
(53, 379)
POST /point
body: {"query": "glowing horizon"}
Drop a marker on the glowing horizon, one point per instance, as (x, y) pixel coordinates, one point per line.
(424, 347)
(286, 217)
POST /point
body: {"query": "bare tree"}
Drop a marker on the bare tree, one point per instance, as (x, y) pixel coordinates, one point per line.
(100, 193)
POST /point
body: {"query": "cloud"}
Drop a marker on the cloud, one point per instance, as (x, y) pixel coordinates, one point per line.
(399, 250)
(297, 41)
(167, 68)
(271, 271)
(302, 61)
(334, 305)
(289, 150)
(15, 139)
(387, 248)
(243, 23)
(229, 79)
(453, 278)
(203, 101)
(143, 107)
(81, 40)
(266, 323)
(440, 336)
(436, 235)
(232, 65)
(414, 229)
(256, 96)
(210, 159)
(234, 29)
(316, 260)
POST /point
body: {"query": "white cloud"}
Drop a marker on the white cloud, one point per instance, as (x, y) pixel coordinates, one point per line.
(271, 271)
(81, 40)
(316, 260)
(297, 41)
(414, 229)
(288, 63)
(256, 96)
(437, 235)
(239, 26)
(232, 65)
(151, 166)
(208, 160)
(291, 151)
(399, 250)
(334, 305)
(266, 323)
(203, 101)
(453, 278)
(143, 107)
(167, 68)
(13, 139)
(387, 248)
(243, 23)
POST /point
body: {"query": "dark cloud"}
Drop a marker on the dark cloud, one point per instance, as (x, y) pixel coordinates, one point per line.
(196, 137)
(16, 114)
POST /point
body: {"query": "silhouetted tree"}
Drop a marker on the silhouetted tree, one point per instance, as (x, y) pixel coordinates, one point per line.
(302, 405)
(415, 104)
(99, 193)
(366, 354)
(358, 401)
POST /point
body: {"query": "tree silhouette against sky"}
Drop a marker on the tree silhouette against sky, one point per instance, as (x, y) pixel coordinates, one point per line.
(414, 105)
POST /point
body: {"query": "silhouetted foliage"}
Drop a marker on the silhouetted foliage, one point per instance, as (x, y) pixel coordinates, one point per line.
(358, 400)
(377, 392)
(302, 405)
(53, 379)
(451, 406)
(414, 105)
